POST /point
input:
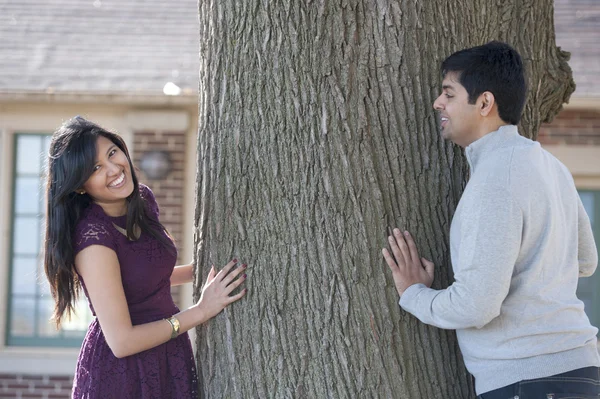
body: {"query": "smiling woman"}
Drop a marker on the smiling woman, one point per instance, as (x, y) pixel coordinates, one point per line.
(103, 234)
(110, 183)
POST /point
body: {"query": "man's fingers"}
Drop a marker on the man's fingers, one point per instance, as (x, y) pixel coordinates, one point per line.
(412, 247)
(395, 249)
(389, 259)
(429, 266)
(403, 247)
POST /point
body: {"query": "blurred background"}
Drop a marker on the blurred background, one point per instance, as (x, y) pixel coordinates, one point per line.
(132, 67)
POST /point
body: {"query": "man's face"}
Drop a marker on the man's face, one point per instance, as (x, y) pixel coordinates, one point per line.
(459, 119)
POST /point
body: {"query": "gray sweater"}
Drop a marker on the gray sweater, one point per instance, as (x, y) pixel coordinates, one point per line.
(519, 240)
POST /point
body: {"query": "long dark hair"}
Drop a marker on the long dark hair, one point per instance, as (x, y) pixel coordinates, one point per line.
(71, 162)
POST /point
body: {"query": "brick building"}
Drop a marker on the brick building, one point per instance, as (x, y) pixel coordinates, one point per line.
(128, 65)
(132, 67)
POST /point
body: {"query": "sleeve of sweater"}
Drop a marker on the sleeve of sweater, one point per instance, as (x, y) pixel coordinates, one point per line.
(587, 254)
(487, 244)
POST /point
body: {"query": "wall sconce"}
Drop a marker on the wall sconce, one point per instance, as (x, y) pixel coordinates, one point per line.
(155, 164)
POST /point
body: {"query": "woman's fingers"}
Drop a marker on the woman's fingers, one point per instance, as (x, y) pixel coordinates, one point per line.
(211, 274)
(225, 271)
(235, 284)
(237, 296)
(232, 275)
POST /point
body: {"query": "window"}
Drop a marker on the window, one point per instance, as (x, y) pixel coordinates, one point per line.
(30, 303)
(589, 287)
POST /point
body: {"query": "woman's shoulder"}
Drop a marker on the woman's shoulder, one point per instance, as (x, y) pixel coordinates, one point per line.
(146, 193)
(93, 229)
(148, 196)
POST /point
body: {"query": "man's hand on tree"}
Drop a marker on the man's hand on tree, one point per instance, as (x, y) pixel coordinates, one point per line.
(406, 265)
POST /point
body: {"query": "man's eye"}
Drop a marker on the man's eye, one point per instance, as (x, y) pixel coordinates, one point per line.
(448, 95)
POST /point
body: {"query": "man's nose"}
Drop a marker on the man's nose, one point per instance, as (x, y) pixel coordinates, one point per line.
(437, 104)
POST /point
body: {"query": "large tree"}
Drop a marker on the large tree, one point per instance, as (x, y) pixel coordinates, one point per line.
(316, 135)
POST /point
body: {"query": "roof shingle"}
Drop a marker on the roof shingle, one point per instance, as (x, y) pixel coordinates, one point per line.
(98, 46)
(137, 46)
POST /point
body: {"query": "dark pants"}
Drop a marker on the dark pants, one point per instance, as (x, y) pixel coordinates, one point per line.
(577, 384)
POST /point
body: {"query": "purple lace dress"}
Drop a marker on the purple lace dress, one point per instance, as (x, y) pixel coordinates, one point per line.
(166, 371)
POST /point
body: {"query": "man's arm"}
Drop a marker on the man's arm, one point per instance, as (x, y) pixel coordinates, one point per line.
(488, 246)
(587, 254)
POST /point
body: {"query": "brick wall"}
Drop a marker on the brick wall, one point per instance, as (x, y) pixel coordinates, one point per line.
(572, 127)
(168, 191)
(34, 387)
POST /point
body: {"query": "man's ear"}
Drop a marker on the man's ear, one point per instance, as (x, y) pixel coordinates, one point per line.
(487, 103)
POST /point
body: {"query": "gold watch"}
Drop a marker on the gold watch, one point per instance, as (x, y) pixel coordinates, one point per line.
(174, 326)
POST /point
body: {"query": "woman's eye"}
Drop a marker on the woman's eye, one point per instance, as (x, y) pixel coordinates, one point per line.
(112, 153)
(96, 167)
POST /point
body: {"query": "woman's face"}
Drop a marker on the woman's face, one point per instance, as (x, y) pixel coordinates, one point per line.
(110, 183)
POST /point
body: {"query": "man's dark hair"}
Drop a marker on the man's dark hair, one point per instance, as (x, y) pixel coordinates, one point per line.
(495, 67)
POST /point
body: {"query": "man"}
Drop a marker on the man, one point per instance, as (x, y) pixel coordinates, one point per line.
(519, 240)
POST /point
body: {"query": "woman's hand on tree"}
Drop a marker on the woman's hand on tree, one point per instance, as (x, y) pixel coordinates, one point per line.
(218, 287)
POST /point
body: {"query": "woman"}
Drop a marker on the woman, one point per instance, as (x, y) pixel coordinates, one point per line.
(103, 235)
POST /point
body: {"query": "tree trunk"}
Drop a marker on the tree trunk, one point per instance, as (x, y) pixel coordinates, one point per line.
(316, 135)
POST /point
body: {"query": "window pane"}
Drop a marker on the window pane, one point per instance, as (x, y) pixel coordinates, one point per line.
(26, 233)
(23, 316)
(588, 288)
(74, 334)
(29, 149)
(42, 281)
(27, 195)
(46, 328)
(587, 198)
(79, 322)
(45, 151)
(43, 209)
(24, 275)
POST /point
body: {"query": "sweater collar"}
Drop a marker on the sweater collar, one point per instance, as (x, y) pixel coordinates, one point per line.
(486, 145)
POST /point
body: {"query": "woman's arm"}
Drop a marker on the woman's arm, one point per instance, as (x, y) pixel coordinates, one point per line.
(182, 275)
(100, 270)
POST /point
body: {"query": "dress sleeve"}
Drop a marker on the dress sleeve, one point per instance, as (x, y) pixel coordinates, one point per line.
(150, 200)
(92, 232)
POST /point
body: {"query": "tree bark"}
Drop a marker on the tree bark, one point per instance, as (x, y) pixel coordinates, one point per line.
(316, 136)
